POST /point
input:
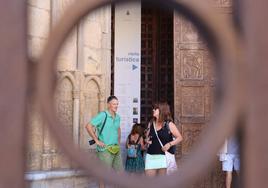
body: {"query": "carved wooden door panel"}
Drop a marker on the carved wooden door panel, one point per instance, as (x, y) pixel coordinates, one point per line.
(193, 90)
(156, 59)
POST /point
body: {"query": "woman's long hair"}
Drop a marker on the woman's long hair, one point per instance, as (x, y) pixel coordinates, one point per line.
(164, 111)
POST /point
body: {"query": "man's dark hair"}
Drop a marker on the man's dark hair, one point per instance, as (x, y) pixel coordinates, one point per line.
(110, 98)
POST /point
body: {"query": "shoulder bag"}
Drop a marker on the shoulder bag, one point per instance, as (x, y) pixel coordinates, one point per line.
(91, 142)
(171, 161)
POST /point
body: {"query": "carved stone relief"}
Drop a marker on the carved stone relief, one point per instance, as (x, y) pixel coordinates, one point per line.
(189, 33)
(221, 3)
(190, 133)
(49, 150)
(64, 100)
(192, 101)
(226, 3)
(209, 66)
(35, 139)
(192, 63)
(91, 108)
(53, 156)
(194, 79)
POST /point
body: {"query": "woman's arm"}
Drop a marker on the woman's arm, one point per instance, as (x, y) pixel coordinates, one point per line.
(141, 142)
(176, 133)
(147, 141)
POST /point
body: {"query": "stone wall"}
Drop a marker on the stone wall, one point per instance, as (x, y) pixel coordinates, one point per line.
(84, 66)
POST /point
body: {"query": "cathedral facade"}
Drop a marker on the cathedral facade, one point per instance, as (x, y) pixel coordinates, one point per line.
(85, 80)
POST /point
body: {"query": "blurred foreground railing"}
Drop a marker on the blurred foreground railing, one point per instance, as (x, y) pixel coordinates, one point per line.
(243, 82)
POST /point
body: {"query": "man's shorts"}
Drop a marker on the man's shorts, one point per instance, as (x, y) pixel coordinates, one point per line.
(231, 162)
(111, 160)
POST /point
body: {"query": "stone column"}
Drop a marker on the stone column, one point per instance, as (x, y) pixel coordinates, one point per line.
(76, 106)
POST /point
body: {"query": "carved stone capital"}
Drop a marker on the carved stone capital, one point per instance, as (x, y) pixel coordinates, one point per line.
(76, 94)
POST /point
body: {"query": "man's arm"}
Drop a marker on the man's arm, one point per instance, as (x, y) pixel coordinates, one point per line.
(91, 132)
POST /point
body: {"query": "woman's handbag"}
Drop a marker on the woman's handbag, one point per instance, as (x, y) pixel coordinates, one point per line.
(171, 161)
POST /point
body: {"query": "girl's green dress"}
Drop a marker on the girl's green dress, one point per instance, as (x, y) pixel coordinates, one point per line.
(135, 165)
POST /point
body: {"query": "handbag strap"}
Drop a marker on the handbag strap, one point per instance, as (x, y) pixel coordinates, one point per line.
(157, 135)
(103, 124)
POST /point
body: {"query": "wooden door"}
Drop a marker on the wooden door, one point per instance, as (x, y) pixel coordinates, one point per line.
(156, 59)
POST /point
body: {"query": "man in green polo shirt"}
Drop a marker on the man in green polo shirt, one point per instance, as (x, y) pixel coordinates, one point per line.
(108, 149)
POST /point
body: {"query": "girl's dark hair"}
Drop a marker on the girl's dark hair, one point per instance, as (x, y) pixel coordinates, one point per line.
(164, 111)
(110, 98)
(136, 128)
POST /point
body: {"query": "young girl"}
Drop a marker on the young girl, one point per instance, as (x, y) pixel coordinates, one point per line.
(135, 161)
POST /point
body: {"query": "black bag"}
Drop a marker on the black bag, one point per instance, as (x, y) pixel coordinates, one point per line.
(172, 148)
(91, 142)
